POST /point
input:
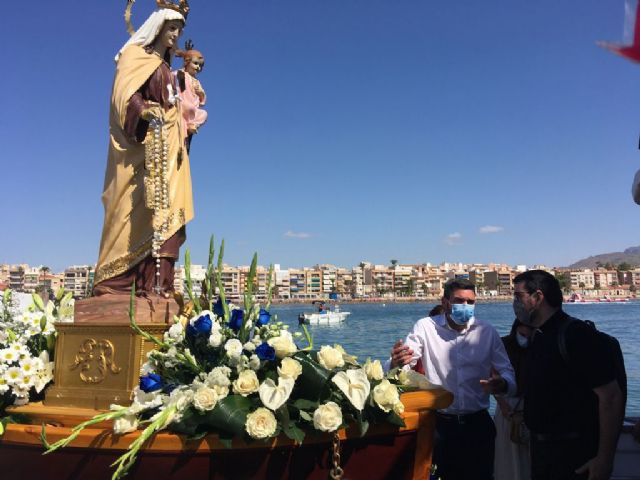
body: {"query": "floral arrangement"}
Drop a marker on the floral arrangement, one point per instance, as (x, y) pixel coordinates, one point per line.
(238, 372)
(27, 340)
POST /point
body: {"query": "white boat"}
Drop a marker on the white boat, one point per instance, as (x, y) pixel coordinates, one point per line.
(326, 317)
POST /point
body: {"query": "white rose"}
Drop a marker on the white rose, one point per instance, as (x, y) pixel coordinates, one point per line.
(386, 395)
(355, 385)
(233, 348)
(345, 356)
(221, 390)
(254, 362)
(249, 346)
(181, 398)
(215, 339)
(205, 399)
(330, 357)
(176, 331)
(125, 424)
(289, 368)
(283, 345)
(273, 396)
(246, 383)
(374, 370)
(327, 417)
(261, 423)
(398, 408)
(219, 376)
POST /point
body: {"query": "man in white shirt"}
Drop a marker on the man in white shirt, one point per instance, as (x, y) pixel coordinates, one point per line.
(467, 357)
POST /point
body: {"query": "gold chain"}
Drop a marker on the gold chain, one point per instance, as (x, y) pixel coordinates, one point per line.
(336, 471)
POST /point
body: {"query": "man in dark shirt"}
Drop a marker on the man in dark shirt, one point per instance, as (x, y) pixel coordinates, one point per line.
(574, 407)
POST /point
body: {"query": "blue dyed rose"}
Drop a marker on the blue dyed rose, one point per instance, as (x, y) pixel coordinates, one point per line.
(201, 326)
(236, 319)
(151, 383)
(218, 308)
(266, 352)
(263, 317)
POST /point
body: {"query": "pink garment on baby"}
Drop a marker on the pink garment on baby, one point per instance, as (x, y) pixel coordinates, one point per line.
(192, 114)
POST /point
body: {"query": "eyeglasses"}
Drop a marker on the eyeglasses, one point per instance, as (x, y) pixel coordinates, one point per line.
(519, 295)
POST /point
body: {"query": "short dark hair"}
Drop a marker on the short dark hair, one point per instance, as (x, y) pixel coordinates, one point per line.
(457, 284)
(545, 282)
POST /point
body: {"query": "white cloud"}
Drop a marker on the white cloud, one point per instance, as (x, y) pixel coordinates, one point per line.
(291, 234)
(491, 229)
(453, 239)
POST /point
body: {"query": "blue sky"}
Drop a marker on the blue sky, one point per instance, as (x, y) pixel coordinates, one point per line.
(343, 130)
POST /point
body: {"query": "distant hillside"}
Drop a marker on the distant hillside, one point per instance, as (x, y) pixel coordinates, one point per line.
(630, 255)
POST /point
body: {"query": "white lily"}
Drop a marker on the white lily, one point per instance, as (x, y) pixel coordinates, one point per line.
(355, 385)
(273, 396)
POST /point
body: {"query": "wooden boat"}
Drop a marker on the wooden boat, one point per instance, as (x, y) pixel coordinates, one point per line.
(626, 465)
(384, 452)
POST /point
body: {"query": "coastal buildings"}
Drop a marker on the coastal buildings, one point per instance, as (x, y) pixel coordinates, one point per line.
(324, 281)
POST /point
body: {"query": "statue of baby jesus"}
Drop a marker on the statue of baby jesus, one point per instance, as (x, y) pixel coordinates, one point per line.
(190, 91)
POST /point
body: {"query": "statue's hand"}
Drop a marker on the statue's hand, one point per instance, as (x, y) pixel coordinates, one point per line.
(198, 90)
(151, 112)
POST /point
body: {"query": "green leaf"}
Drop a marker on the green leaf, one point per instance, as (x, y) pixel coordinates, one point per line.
(43, 438)
(304, 404)
(306, 416)
(395, 419)
(219, 283)
(313, 382)
(67, 298)
(293, 432)
(269, 288)
(363, 425)
(37, 300)
(230, 414)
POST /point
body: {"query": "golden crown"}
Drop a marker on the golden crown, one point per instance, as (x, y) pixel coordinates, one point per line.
(182, 7)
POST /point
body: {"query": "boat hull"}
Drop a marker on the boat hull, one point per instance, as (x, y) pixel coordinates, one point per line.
(385, 452)
(325, 318)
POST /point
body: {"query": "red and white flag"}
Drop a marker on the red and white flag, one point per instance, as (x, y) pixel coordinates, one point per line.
(631, 49)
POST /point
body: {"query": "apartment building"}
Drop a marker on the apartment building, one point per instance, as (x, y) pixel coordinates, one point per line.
(403, 282)
(582, 279)
(605, 278)
(79, 280)
(499, 281)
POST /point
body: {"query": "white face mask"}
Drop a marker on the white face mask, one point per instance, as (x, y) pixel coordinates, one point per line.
(522, 340)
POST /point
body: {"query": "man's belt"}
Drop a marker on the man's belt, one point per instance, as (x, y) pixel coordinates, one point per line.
(460, 418)
(554, 437)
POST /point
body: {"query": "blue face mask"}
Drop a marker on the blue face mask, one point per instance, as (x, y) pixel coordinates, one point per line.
(461, 313)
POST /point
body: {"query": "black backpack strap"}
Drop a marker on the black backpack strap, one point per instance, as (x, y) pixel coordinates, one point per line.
(562, 339)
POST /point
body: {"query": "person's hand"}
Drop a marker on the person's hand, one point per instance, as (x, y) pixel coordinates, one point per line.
(505, 409)
(400, 354)
(598, 469)
(151, 112)
(494, 385)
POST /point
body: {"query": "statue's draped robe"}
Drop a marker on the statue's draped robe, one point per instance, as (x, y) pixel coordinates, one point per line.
(125, 247)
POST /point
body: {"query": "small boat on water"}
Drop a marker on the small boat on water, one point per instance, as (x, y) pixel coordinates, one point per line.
(323, 316)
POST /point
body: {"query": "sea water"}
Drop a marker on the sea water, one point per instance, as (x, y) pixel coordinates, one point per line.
(372, 328)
